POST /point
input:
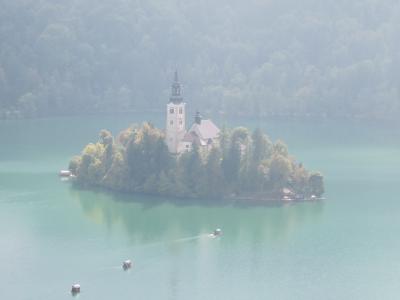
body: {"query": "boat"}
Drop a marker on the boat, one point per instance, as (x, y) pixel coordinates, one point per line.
(65, 173)
(127, 264)
(75, 289)
(217, 232)
(286, 198)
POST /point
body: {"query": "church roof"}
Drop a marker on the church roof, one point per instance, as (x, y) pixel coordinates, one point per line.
(205, 130)
(189, 137)
(192, 137)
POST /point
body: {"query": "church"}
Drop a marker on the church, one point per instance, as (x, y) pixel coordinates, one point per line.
(203, 133)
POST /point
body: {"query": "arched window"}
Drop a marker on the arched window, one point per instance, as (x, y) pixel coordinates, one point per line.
(171, 110)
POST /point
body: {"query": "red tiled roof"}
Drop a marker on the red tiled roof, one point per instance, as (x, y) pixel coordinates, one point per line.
(205, 130)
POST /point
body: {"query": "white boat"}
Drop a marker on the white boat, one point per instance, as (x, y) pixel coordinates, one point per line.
(65, 173)
(127, 264)
(75, 289)
(216, 232)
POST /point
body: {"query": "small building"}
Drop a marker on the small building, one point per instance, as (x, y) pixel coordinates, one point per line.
(203, 133)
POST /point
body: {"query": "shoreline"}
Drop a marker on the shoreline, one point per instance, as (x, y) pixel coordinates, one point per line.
(157, 199)
(17, 115)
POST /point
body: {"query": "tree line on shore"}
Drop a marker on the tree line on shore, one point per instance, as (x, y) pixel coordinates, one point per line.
(280, 57)
(243, 164)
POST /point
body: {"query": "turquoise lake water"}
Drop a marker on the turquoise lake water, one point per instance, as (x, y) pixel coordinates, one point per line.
(346, 247)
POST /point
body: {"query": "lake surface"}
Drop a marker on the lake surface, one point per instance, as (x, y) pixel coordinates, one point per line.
(346, 247)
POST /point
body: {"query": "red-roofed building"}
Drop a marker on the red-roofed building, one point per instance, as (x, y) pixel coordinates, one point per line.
(203, 133)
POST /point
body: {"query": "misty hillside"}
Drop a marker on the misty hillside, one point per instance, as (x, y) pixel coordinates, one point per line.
(285, 57)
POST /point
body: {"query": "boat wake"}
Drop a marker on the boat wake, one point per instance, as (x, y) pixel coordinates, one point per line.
(191, 238)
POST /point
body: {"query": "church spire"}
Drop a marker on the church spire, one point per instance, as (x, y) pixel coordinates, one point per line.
(176, 76)
(176, 96)
(197, 118)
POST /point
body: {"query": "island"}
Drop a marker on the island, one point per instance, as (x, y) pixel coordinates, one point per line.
(243, 165)
(203, 162)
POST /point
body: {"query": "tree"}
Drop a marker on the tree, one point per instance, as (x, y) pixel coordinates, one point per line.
(262, 147)
(280, 148)
(96, 171)
(105, 137)
(117, 175)
(127, 135)
(150, 185)
(215, 179)
(300, 178)
(193, 173)
(240, 135)
(82, 61)
(279, 171)
(146, 154)
(163, 159)
(231, 162)
(74, 164)
(258, 150)
(139, 161)
(316, 184)
(90, 170)
(224, 140)
(165, 185)
(107, 140)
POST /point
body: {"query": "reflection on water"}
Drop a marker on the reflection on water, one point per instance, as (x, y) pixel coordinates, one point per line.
(149, 219)
(54, 234)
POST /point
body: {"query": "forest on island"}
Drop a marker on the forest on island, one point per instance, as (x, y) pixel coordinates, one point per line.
(244, 164)
(282, 57)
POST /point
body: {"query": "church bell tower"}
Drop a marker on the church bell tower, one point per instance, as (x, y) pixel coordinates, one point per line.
(175, 128)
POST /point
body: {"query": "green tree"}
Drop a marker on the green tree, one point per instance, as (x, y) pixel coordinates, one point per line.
(280, 148)
(89, 170)
(150, 185)
(280, 169)
(117, 175)
(193, 174)
(163, 159)
(74, 164)
(231, 162)
(224, 140)
(316, 184)
(146, 155)
(107, 140)
(262, 147)
(300, 178)
(215, 179)
(106, 137)
(139, 161)
(165, 185)
(240, 135)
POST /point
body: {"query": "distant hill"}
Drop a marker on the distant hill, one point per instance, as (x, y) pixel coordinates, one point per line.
(281, 57)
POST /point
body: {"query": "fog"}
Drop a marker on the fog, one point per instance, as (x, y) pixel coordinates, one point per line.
(314, 58)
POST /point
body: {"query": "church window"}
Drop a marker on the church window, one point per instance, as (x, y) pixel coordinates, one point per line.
(171, 110)
(180, 110)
